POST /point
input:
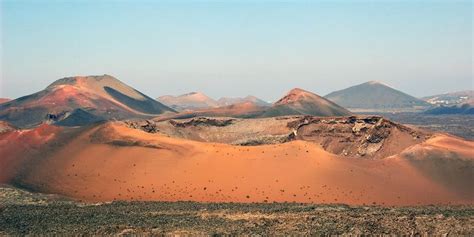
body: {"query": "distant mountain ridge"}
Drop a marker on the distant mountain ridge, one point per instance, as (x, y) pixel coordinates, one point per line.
(192, 100)
(451, 98)
(295, 102)
(198, 100)
(225, 101)
(375, 96)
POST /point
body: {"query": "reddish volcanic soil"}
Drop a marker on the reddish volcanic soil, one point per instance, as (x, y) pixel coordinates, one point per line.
(76, 100)
(19, 147)
(114, 162)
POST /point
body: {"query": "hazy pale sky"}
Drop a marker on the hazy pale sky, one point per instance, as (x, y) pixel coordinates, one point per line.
(237, 48)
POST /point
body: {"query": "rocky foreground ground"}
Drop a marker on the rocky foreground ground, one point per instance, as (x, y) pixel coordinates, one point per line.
(23, 213)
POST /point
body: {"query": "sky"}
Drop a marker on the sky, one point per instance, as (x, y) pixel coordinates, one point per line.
(238, 48)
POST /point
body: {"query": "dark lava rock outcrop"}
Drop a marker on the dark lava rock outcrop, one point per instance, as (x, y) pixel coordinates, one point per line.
(370, 136)
(202, 121)
(352, 136)
(146, 125)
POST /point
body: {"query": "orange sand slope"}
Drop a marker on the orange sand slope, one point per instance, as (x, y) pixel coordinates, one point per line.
(113, 162)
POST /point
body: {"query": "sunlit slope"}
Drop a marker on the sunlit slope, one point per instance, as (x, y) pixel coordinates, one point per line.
(114, 162)
(80, 100)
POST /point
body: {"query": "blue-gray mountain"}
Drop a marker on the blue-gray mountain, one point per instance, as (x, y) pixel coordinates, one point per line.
(375, 96)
